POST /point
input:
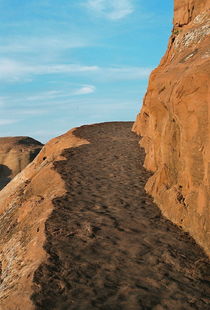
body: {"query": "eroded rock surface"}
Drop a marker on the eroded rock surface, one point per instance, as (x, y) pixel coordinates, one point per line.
(79, 232)
(15, 154)
(174, 123)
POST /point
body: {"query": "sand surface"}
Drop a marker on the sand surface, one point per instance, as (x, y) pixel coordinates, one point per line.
(109, 247)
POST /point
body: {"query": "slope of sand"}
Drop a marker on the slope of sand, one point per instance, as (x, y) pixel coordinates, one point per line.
(108, 245)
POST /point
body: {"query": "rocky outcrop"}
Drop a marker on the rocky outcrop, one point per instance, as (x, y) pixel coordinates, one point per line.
(78, 231)
(25, 204)
(174, 123)
(15, 154)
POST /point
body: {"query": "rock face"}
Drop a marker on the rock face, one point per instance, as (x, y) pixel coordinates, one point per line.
(15, 154)
(174, 123)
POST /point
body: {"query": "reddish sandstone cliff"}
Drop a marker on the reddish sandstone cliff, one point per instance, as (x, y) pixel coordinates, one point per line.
(174, 123)
(15, 154)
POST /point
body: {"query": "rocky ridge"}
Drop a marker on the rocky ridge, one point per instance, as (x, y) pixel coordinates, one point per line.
(79, 232)
(25, 204)
(174, 123)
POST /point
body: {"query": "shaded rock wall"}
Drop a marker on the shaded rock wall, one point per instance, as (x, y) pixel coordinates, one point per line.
(174, 123)
(15, 154)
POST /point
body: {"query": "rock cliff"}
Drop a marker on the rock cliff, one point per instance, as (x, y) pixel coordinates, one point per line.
(15, 154)
(174, 123)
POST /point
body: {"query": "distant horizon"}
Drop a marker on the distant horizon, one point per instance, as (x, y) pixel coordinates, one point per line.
(72, 64)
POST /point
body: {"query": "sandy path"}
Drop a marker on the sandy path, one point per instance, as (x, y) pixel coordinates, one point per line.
(109, 246)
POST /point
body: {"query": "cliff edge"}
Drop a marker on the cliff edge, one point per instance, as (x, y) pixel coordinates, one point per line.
(174, 123)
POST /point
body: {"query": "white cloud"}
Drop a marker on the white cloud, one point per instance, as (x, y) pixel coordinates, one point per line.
(124, 73)
(63, 68)
(7, 121)
(36, 104)
(52, 94)
(13, 71)
(29, 111)
(2, 100)
(9, 69)
(85, 90)
(58, 94)
(111, 9)
(38, 44)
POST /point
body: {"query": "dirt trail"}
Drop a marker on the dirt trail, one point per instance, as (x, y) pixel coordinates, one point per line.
(109, 247)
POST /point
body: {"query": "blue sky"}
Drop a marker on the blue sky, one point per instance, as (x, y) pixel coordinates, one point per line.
(72, 62)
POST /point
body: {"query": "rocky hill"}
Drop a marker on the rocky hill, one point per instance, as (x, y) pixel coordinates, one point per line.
(15, 154)
(174, 123)
(78, 231)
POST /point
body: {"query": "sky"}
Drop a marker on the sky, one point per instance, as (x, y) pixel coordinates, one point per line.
(66, 63)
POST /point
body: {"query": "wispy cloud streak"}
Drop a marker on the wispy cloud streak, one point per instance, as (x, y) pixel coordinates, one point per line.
(85, 90)
(11, 70)
(111, 9)
(35, 44)
(7, 121)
